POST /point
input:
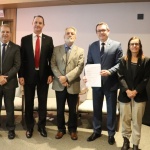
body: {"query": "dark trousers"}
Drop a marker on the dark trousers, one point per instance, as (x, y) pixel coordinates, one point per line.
(42, 91)
(111, 100)
(8, 95)
(72, 99)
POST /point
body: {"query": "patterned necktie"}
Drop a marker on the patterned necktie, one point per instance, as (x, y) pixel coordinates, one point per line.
(67, 53)
(67, 49)
(3, 51)
(102, 50)
(37, 52)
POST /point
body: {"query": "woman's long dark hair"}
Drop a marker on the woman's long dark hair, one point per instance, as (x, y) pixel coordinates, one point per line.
(140, 54)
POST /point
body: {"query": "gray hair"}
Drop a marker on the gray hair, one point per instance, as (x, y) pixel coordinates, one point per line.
(75, 30)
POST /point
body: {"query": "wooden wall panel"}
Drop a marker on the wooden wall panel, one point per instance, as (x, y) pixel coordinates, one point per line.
(10, 16)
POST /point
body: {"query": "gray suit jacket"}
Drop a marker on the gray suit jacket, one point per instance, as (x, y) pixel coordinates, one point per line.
(11, 65)
(72, 68)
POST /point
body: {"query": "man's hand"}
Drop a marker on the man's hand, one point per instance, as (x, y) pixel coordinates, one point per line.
(105, 73)
(62, 79)
(65, 84)
(131, 94)
(84, 79)
(3, 79)
(49, 80)
(21, 81)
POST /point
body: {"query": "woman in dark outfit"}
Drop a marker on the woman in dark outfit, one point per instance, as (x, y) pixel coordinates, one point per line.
(134, 72)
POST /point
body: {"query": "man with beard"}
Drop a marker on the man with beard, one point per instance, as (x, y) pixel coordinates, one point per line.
(67, 64)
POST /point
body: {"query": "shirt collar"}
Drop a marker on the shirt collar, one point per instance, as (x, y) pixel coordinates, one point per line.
(68, 46)
(6, 43)
(104, 42)
(34, 35)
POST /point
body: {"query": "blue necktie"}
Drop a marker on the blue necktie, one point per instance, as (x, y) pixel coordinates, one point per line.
(3, 51)
(67, 49)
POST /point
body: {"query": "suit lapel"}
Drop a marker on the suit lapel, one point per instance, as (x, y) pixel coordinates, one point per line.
(138, 67)
(30, 45)
(63, 53)
(42, 43)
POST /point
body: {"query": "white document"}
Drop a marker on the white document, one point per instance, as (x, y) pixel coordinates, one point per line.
(92, 73)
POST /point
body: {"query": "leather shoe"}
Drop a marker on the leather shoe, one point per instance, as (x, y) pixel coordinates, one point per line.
(135, 147)
(111, 140)
(74, 135)
(59, 134)
(29, 133)
(93, 137)
(11, 134)
(126, 144)
(42, 132)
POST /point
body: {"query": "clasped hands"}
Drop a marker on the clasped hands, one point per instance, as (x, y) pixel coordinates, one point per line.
(63, 80)
(3, 79)
(131, 94)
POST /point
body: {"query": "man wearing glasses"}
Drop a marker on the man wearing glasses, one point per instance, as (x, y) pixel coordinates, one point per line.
(107, 53)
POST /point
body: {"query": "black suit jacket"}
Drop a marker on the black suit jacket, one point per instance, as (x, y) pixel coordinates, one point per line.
(138, 83)
(11, 65)
(27, 70)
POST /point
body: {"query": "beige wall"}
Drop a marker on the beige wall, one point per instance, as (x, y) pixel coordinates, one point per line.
(121, 17)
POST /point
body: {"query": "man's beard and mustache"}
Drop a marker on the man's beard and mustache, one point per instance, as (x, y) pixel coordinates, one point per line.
(69, 40)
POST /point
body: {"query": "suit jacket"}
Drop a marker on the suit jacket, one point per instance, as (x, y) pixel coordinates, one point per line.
(11, 65)
(27, 69)
(111, 57)
(72, 68)
(137, 83)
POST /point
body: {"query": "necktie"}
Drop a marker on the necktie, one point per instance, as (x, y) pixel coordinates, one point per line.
(67, 53)
(102, 50)
(37, 52)
(67, 49)
(3, 51)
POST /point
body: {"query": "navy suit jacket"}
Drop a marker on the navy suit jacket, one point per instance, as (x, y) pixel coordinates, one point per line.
(27, 69)
(111, 57)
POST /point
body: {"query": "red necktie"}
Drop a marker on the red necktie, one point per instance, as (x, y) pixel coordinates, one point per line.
(37, 52)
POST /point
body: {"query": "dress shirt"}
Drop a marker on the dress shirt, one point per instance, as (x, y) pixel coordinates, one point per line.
(100, 44)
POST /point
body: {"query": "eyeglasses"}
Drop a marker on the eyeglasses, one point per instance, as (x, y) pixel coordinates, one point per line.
(68, 33)
(132, 44)
(103, 30)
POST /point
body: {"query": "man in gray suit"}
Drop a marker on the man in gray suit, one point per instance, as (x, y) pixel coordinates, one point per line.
(67, 65)
(107, 53)
(9, 66)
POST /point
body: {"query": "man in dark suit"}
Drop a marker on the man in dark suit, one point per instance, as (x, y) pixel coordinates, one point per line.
(9, 66)
(35, 72)
(107, 53)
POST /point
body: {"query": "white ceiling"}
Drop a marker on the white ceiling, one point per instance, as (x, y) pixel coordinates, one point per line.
(38, 3)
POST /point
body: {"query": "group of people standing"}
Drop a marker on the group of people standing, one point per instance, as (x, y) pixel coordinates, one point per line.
(38, 64)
